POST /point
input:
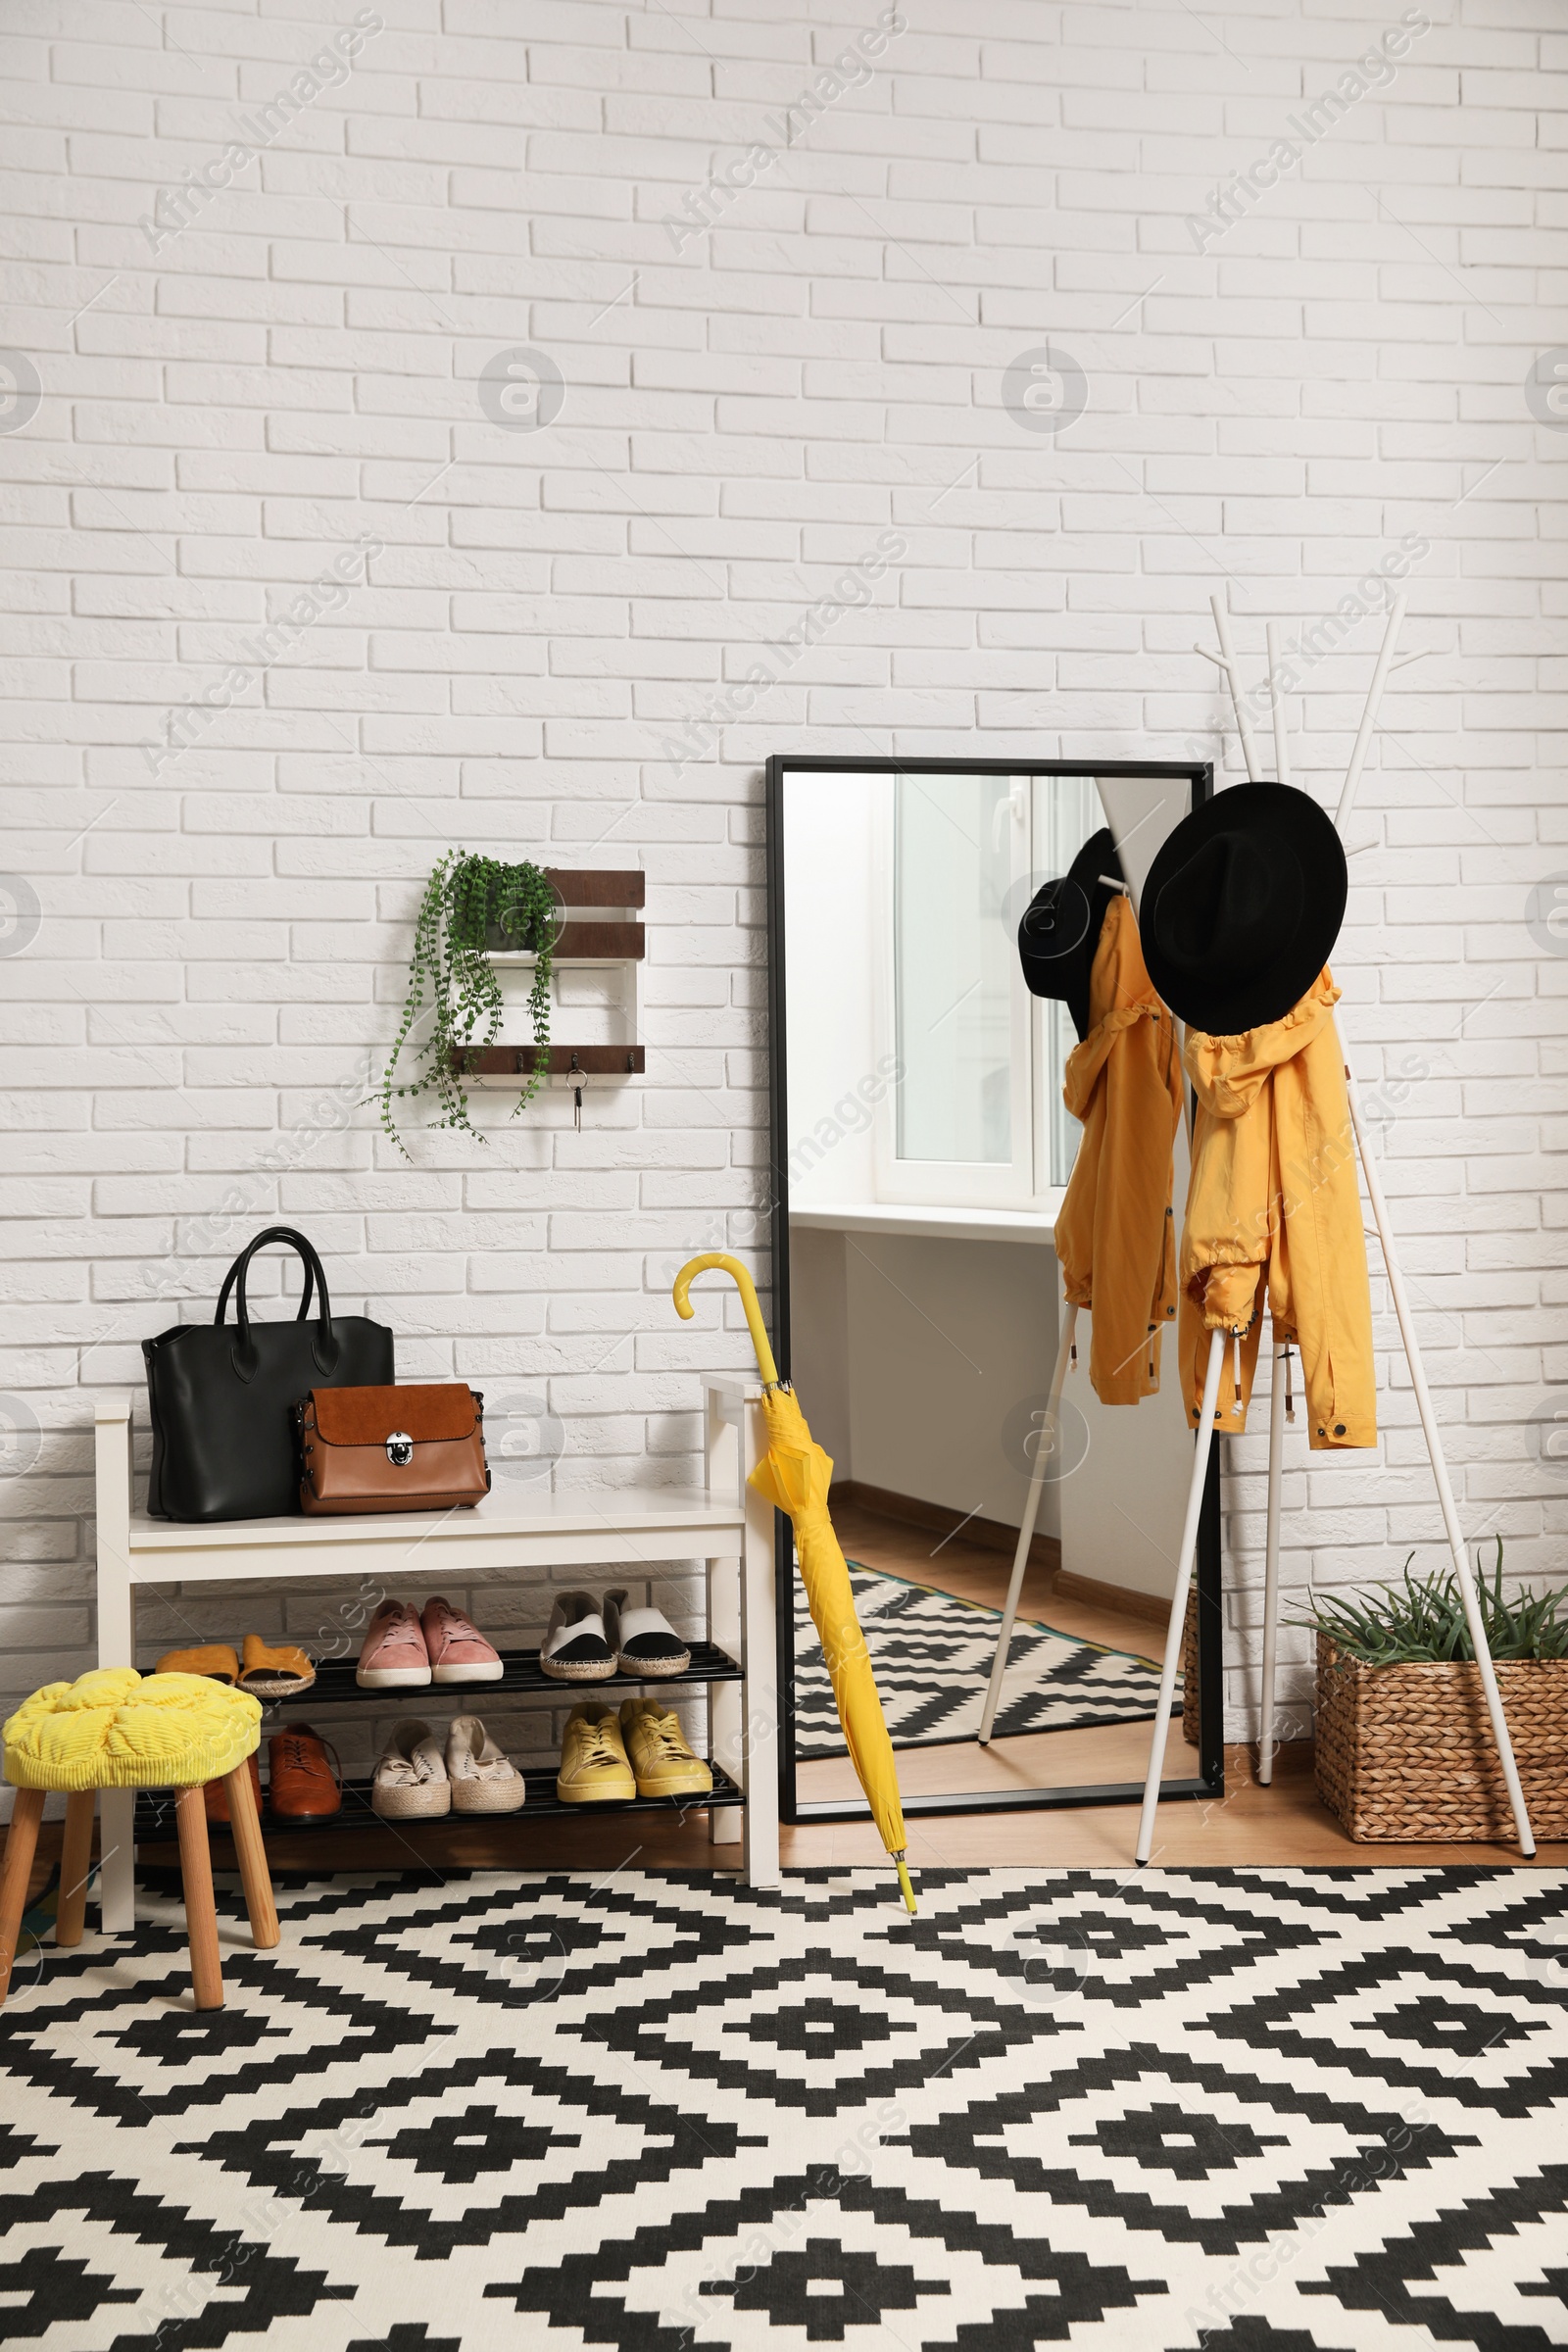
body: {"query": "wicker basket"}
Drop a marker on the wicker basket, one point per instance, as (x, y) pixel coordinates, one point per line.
(1407, 1752)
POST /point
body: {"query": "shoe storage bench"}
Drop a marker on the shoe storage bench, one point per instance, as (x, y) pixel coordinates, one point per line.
(722, 1522)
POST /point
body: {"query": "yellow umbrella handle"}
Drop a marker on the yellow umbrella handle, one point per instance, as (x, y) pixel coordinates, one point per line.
(747, 1291)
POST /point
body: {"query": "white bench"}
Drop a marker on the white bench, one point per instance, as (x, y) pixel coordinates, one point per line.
(723, 1524)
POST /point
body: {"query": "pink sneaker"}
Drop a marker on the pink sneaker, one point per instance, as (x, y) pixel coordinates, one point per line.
(458, 1652)
(393, 1656)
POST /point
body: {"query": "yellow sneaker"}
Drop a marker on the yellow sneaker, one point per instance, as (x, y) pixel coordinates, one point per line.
(660, 1757)
(594, 1770)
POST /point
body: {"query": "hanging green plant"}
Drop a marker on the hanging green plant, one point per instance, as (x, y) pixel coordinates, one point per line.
(472, 906)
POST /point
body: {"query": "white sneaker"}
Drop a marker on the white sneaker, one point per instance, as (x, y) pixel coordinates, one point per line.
(411, 1780)
(574, 1649)
(483, 1779)
(644, 1641)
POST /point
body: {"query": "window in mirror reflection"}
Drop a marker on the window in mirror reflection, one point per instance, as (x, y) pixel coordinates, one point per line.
(968, 853)
(1070, 814)
(955, 859)
(920, 1070)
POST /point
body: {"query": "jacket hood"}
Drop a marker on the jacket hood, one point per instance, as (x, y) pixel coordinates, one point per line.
(1227, 1073)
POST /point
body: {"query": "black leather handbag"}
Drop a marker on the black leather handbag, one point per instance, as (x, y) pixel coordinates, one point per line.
(222, 1396)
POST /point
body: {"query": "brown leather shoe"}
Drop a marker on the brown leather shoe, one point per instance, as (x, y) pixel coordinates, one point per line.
(215, 1796)
(302, 1777)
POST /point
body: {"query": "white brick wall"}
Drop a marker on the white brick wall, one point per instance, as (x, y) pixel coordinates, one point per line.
(221, 941)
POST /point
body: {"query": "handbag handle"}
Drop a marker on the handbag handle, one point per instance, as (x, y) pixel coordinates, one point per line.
(325, 1348)
(306, 1296)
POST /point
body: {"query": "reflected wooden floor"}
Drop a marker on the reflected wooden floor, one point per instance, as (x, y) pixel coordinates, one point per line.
(1099, 1758)
(975, 1574)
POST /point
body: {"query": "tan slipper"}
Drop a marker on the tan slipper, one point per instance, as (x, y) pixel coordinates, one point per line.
(215, 1659)
(483, 1778)
(278, 1673)
(411, 1780)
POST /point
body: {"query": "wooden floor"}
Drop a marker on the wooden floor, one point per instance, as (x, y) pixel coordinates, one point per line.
(1248, 1826)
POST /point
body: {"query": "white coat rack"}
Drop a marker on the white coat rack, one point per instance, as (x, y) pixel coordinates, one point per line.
(1225, 660)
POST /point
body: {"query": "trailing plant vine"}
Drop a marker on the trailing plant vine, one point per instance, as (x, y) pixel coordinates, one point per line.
(471, 906)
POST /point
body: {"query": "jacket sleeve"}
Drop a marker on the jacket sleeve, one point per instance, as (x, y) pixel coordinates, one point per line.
(1084, 1093)
(1318, 1287)
(1113, 1235)
(1226, 1239)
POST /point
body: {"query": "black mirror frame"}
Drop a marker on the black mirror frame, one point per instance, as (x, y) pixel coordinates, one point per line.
(1209, 1782)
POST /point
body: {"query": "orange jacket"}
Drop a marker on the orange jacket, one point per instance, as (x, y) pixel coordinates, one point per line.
(1115, 1231)
(1274, 1204)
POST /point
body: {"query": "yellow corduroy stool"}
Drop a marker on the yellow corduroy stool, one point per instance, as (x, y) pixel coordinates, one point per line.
(120, 1729)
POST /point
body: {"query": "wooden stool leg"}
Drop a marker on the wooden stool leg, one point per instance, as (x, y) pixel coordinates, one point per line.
(75, 1865)
(201, 1910)
(255, 1877)
(22, 1844)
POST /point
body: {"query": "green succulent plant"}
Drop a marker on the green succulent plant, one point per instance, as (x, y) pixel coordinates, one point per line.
(470, 906)
(1422, 1621)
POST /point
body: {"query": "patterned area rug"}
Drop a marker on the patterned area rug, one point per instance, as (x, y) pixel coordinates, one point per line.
(1285, 2111)
(932, 1656)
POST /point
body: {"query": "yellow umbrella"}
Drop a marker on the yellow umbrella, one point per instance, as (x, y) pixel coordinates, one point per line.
(794, 1476)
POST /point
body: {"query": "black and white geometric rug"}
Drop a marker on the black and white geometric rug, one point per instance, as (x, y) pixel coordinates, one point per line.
(931, 1653)
(1278, 2111)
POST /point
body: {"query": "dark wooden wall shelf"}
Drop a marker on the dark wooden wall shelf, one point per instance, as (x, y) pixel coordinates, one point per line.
(583, 943)
(617, 943)
(517, 1062)
(597, 886)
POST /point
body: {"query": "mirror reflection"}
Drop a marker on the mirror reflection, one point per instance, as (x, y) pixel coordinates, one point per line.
(927, 1151)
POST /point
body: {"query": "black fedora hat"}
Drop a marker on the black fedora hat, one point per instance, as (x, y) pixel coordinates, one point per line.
(1060, 927)
(1242, 906)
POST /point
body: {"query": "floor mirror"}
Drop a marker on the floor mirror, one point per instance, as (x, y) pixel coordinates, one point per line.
(920, 1152)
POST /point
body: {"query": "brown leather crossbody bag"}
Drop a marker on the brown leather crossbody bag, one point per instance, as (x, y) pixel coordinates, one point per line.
(406, 1448)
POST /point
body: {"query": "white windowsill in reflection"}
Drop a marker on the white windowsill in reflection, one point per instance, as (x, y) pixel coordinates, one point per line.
(936, 1224)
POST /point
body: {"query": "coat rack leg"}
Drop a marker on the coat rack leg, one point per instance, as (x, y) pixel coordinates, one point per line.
(1178, 1600)
(1282, 744)
(1044, 1456)
(1271, 1566)
(1439, 1473)
(1369, 713)
(1227, 655)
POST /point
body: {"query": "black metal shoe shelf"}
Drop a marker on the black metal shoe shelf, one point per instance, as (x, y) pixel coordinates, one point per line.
(522, 1677)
